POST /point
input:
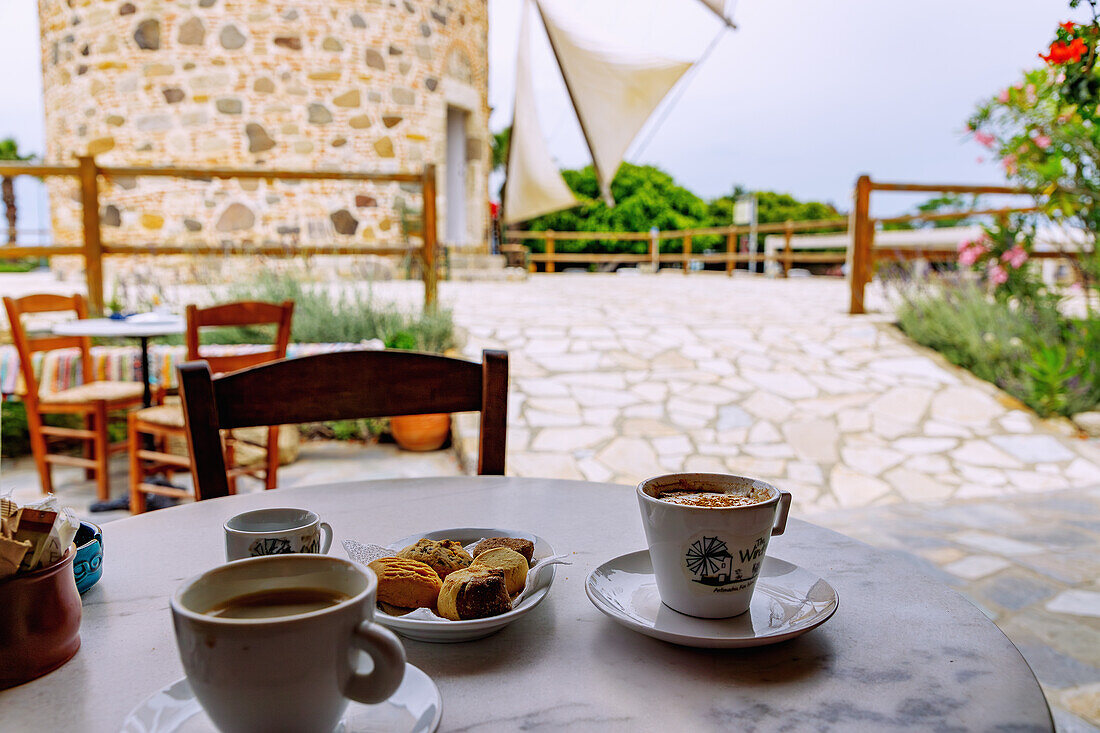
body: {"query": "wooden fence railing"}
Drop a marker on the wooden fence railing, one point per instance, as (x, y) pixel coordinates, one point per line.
(88, 172)
(862, 251)
(861, 255)
(731, 256)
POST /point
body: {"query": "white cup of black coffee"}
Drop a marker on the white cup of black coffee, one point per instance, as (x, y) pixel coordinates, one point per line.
(270, 643)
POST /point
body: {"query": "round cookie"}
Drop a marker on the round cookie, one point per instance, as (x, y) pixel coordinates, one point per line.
(511, 562)
(444, 556)
(475, 592)
(406, 583)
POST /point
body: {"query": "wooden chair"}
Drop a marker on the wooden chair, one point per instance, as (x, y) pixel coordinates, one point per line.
(340, 386)
(93, 400)
(164, 422)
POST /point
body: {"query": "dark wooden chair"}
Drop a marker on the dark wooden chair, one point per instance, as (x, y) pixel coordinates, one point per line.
(340, 386)
(93, 400)
(164, 422)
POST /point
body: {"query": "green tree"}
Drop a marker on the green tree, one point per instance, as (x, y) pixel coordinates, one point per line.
(9, 150)
(645, 197)
(499, 147)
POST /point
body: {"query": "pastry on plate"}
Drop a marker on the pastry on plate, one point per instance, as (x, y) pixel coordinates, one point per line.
(476, 592)
(444, 556)
(523, 547)
(511, 562)
(406, 583)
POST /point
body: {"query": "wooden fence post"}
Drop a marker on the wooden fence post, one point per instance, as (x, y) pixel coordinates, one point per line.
(687, 254)
(860, 262)
(788, 255)
(93, 244)
(655, 249)
(549, 251)
(430, 236)
(731, 249)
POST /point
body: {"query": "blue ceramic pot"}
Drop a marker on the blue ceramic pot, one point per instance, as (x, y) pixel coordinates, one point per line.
(88, 565)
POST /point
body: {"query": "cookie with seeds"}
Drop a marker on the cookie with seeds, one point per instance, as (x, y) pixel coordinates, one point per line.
(444, 556)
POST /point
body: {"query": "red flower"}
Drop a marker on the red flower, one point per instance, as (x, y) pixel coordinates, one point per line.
(1068, 26)
(1061, 53)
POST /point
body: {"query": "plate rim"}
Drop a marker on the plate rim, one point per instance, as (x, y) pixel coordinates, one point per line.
(434, 726)
(703, 641)
(473, 625)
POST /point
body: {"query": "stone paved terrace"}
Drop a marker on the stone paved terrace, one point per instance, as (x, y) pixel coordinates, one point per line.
(615, 378)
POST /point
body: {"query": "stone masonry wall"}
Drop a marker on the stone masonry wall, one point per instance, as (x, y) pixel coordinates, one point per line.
(311, 84)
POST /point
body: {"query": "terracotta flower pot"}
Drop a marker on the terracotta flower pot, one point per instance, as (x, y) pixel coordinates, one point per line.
(39, 621)
(420, 432)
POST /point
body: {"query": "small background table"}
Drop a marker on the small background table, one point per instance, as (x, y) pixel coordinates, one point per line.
(903, 652)
(126, 328)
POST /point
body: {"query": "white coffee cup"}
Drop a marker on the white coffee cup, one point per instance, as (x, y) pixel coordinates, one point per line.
(275, 532)
(706, 560)
(284, 673)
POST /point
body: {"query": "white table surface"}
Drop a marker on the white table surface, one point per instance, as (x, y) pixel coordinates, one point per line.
(112, 327)
(903, 652)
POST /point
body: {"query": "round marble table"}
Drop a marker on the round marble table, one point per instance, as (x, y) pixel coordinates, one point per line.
(903, 652)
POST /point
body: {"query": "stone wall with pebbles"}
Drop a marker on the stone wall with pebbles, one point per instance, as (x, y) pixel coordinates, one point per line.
(313, 84)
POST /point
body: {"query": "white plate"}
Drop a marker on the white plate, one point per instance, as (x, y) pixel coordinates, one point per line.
(416, 708)
(788, 602)
(452, 631)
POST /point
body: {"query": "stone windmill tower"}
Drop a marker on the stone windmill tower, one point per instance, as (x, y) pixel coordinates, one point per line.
(381, 85)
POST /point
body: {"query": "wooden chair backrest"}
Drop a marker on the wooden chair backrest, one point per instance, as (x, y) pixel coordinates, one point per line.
(340, 386)
(26, 346)
(243, 313)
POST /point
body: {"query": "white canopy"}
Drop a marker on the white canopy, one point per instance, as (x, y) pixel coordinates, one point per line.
(534, 186)
(613, 95)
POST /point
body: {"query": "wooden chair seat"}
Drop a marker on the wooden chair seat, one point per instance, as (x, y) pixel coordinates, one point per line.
(127, 392)
(167, 415)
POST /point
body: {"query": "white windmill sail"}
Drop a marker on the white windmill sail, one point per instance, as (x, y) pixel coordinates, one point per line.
(613, 96)
(718, 7)
(534, 185)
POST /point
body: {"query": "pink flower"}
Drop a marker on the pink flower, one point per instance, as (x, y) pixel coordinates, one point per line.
(971, 254)
(1003, 96)
(1043, 141)
(1016, 257)
(1010, 166)
(979, 159)
(998, 275)
(985, 139)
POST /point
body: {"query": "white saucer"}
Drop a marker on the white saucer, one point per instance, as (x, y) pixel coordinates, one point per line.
(443, 631)
(788, 602)
(415, 708)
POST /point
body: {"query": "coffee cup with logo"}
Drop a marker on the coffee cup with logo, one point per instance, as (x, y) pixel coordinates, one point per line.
(275, 531)
(707, 536)
(271, 643)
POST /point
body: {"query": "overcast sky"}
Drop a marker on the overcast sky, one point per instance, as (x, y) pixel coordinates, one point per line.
(802, 98)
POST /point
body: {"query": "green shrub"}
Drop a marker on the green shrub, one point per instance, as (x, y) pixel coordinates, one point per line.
(1029, 349)
(15, 438)
(347, 317)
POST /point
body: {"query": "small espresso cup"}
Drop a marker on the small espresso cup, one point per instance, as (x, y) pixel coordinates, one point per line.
(276, 531)
(291, 672)
(706, 559)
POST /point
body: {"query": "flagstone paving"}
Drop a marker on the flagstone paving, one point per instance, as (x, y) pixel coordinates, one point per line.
(616, 378)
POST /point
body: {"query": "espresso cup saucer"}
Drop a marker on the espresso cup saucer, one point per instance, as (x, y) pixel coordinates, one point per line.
(416, 707)
(788, 602)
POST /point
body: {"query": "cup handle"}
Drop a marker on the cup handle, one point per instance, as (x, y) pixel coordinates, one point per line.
(781, 516)
(389, 664)
(326, 537)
